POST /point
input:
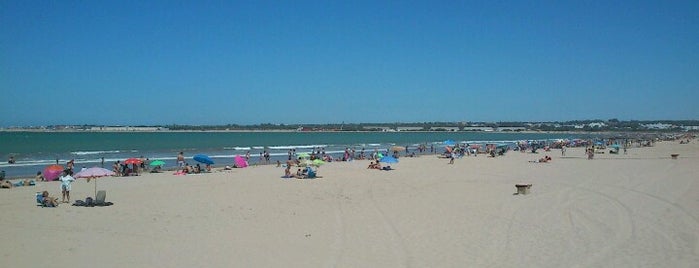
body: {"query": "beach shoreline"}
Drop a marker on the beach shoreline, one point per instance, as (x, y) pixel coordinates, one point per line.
(629, 210)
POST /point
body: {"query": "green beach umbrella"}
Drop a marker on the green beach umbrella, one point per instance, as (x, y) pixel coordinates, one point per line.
(303, 155)
(157, 163)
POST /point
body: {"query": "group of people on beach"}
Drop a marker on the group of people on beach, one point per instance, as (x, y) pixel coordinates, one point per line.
(46, 200)
(301, 173)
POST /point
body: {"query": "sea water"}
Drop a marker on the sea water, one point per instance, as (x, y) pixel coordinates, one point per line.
(33, 151)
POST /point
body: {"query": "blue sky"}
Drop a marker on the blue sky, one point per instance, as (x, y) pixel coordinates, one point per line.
(248, 62)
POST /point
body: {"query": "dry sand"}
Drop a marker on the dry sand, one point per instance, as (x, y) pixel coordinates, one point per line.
(635, 210)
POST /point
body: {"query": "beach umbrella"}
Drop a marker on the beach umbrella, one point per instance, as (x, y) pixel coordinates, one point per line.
(92, 173)
(240, 161)
(305, 163)
(303, 155)
(397, 149)
(134, 161)
(157, 163)
(388, 159)
(449, 142)
(52, 172)
(204, 159)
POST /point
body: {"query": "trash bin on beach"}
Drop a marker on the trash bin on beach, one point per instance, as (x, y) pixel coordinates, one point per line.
(523, 188)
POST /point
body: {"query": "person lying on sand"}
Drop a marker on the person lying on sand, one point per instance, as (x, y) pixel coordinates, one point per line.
(544, 159)
(300, 174)
(48, 201)
(371, 165)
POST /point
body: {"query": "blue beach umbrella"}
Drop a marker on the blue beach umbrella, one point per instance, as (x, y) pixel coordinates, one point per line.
(449, 142)
(388, 159)
(204, 159)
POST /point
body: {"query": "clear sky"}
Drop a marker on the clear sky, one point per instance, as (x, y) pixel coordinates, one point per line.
(248, 62)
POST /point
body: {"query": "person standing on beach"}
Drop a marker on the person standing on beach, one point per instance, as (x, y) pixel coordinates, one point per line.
(70, 164)
(66, 180)
(103, 162)
(563, 150)
(180, 160)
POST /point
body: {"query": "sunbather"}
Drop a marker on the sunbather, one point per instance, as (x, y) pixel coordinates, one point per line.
(544, 159)
(48, 201)
(299, 174)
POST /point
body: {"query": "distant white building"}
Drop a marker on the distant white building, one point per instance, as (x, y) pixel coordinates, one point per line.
(125, 128)
(478, 129)
(374, 128)
(511, 128)
(444, 128)
(657, 126)
(409, 128)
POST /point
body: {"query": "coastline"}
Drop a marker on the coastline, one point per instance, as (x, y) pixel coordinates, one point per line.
(620, 210)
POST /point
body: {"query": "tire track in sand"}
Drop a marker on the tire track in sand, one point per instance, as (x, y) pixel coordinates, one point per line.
(340, 234)
(396, 238)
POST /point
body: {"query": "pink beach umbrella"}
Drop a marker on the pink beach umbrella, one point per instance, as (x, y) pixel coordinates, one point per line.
(51, 172)
(240, 161)
(94, 172)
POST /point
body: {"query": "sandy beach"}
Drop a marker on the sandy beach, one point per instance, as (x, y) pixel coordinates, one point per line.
(634, 210)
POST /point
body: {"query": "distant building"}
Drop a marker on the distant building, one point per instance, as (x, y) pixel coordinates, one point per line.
(444, 128)
(377, 128)
(125, 128)
(657, 126)
(597, 125)
(511, 128)
(410, 128)
(478, 129)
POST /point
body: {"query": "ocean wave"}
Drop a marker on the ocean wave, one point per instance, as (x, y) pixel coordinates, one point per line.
(291, 147)
(95, 152)
(239, 148)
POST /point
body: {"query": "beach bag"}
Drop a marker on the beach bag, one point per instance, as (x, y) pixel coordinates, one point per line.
(89, 201)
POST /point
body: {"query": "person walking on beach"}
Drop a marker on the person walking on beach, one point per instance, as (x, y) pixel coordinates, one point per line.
(180, 160)
(66, 180)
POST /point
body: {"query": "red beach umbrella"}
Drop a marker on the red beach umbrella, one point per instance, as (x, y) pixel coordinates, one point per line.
(135, 161)
(52, 172)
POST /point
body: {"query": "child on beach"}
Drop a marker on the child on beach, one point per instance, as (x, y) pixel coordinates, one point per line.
(66, 180)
